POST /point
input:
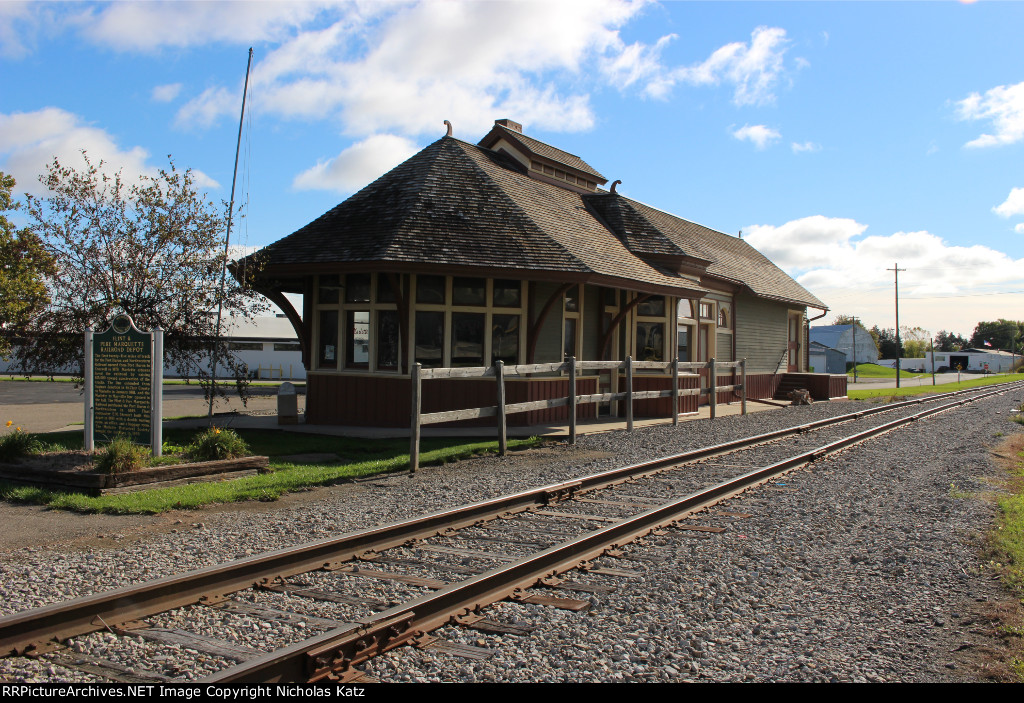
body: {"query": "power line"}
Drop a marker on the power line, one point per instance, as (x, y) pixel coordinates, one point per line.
(924, 297)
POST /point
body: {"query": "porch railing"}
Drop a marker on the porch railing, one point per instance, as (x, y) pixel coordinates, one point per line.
(572, 367)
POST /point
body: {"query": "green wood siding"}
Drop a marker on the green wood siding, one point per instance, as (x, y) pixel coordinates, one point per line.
(591, 321)
(761, 333)
(723, 347)
(549, 342)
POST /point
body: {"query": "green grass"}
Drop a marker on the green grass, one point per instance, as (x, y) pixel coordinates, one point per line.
(1007, 540)
(38, 379)
(876, 371)
(968, 382)
(1005, 547)
(359, 458)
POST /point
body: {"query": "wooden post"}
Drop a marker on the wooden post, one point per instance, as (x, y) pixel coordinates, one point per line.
(713, 388)
(499, 374)
(414, 429)
(572, 400)
(743, 390)
(675, 391)
(629, 393)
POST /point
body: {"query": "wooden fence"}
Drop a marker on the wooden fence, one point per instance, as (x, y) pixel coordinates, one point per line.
(501, 409)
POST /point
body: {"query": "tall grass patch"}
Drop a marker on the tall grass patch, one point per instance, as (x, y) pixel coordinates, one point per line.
(121, 456)
(217, 444)
(18, 443)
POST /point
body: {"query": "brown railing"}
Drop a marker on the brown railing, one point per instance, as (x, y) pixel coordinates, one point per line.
(501, 409)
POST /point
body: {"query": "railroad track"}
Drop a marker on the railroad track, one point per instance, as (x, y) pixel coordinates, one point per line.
(368, 592)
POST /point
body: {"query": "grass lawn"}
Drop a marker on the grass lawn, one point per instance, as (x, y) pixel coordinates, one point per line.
(876, 371)
(1005, 542)
(356, 458)
(968, 382)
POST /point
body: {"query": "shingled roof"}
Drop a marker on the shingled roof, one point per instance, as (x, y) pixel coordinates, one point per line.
(548, 151)
(460, 206)
(732, 259)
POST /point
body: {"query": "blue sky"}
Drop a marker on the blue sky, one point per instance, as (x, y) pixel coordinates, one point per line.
(841, 138)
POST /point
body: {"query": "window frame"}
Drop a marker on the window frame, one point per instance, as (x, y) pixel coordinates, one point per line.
(488, 309)
(342, 308)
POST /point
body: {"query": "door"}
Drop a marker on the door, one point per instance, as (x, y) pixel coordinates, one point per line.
(795, 327)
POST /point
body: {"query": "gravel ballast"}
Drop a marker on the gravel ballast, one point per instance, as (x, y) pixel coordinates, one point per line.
(862, 567)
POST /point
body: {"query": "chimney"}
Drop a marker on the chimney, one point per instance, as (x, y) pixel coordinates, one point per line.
(509, 124)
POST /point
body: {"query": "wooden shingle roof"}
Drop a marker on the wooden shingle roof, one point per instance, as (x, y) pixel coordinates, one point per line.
(457, 206)
(732, 259)
(548, 151)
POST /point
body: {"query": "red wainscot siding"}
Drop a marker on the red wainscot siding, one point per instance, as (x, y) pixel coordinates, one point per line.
(822, 386)
(382, 401)
(759, 385)
(659, 407)
(837, 386)
(762, 385)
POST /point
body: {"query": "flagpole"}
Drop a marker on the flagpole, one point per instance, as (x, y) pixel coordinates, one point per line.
(227, 241)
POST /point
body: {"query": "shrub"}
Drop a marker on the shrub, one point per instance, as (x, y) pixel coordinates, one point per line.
(216, 443)
(17, 444)
(121, 456)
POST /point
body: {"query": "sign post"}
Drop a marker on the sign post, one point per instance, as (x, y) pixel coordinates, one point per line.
(123, 385)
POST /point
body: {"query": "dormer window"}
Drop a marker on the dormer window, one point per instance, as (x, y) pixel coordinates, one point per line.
(545, 162)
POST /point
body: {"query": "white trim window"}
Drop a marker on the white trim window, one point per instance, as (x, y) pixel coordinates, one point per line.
(650, 343)
(348, 308)
(466, 320)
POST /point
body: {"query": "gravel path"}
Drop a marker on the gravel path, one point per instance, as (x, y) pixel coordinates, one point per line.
(863, 567)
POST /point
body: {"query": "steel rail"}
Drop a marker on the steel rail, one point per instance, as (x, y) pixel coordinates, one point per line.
(332, 655)
(40, 629)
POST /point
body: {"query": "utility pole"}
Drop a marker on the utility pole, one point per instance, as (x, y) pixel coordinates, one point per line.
(855, 323)
(933, 360)
(899, 345)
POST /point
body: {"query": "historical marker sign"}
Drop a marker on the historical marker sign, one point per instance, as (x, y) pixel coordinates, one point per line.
(124, 375)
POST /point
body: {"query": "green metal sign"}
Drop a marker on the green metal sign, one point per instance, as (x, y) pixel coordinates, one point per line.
(122, 383)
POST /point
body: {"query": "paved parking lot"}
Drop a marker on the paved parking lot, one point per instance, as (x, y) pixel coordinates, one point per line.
(46, 407)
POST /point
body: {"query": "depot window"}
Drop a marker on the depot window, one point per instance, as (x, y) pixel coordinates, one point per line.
(464, 321)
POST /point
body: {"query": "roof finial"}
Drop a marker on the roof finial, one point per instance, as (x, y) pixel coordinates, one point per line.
(449, 128)
(615, 184)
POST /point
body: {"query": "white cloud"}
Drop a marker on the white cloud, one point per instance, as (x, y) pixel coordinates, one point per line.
(852, 273)
(166, 93)
(1004, 106)
(204, 110)
(150, 26)
(18, 25)
(1019, 229)
(400, 73)
(758, 134)
(753, 70)
(638, 63)
(805, 147)
(357, 165)
(811, 242)
(1013, 205)
(29, 141)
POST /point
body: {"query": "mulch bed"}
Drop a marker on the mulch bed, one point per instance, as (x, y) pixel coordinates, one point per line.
(74, 471)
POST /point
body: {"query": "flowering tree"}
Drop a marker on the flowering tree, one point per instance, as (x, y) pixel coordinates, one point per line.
(24, 265)
(153, 249)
